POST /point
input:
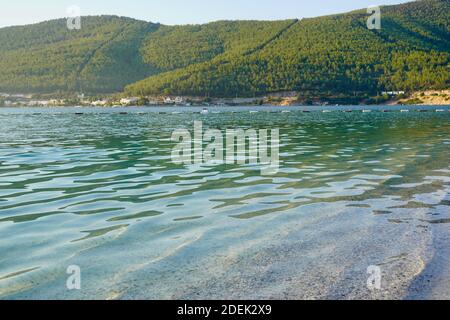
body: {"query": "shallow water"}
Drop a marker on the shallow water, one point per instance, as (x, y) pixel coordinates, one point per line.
(98, 190)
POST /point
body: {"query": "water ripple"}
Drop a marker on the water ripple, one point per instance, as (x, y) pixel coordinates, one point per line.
(100, 191)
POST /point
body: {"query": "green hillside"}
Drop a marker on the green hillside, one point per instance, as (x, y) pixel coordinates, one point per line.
(329, 54)
(332, 54)
(172, 48)
(103, 56)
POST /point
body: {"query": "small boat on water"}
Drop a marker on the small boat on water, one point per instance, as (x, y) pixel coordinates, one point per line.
(253, 111)
(326, 111)
(204, 111)
(367, 111)
(440, 110)
(285, 111)
(404, 110)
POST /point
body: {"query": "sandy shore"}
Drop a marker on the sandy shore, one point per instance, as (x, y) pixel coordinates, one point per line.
(429, 97)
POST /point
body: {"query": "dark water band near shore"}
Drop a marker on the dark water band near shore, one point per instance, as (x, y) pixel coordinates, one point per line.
(96, 188)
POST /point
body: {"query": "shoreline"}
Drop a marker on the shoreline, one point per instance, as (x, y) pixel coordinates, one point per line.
(219, 106)
(281, 99)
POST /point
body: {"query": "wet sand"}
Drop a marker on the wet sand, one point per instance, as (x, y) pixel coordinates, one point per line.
(433, 283)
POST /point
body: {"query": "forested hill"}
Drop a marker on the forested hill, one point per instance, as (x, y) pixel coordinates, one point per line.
(332, 54)
(103, 56)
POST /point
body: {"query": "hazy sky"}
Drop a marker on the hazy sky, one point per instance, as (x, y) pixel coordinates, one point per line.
(16, 12)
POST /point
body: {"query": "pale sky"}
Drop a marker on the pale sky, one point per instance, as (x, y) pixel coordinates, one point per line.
(19, 12)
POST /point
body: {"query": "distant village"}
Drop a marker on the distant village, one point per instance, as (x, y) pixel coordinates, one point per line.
(24, 100)
(289, 98)
(28, 100)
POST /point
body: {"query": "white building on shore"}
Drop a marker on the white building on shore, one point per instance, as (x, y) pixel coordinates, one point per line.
(99, 103)
(129, 101)
(393, 93)
(170, 100)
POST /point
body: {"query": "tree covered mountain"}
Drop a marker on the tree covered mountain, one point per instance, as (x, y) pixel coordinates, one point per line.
(103, 56)
(332, 54)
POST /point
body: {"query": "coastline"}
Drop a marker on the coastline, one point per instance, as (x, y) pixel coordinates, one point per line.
(282, 99)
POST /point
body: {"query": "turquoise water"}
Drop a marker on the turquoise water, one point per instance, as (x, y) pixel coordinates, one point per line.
(98, 190)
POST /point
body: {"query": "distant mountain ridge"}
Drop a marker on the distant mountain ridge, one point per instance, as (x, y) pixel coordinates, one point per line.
(332, 54)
